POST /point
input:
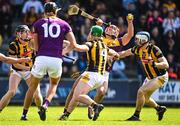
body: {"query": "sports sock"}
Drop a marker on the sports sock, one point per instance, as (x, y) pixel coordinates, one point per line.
(67, 113)
(137, 113)
(158, 108)
(65, 110)
(45, 103)
(24, 112)
(94, 105)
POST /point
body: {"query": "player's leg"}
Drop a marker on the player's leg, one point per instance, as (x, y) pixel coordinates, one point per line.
(14, 81)
(150, 88)
(80, 95)
(69, 97)
(29, 95)
(54, 70)
(100, 93)
(140, 101)
(37, 95)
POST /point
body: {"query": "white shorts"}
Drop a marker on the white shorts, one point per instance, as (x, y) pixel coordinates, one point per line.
(160, 80)
(22, 74)
(46, 64)
(93, 79)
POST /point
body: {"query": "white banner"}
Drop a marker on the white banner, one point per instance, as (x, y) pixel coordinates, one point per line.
(169, 93)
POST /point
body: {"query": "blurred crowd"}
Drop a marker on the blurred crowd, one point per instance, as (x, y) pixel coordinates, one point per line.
(161, 18)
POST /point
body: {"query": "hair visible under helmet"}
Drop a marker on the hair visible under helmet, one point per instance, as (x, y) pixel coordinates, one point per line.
(20, 29)
(142, 38)
(112, 31)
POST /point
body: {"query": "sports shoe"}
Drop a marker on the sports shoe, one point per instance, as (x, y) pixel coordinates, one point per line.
(160, 112)
(42, 113)
(24, 118)
(97, 109)
(90, 112)
(133, 118)
(63, 117)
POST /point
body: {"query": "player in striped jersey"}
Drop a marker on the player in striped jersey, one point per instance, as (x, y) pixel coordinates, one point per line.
(155, 66)
(97, 55)
(113, 42)
(20, 48)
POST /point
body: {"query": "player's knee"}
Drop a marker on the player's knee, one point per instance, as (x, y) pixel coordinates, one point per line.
(140, 92)
(12, 93)
(101, 92)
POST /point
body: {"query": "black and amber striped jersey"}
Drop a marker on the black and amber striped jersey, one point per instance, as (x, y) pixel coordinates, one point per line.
(20, 50)
(150, 52)
(97, 57)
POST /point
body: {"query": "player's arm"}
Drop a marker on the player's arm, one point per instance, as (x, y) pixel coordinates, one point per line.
(113, 53)
(34, 42)
(130, 31)
(18, 65)
(162, 63)
(72, 42)
(125, 53)
(66, 43)
(11, 60)
(83, 48)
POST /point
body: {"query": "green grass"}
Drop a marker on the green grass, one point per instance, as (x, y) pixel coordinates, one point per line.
(110, 116)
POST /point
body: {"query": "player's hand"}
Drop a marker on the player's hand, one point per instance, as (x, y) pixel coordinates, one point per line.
(116, 56)
(130, 18)
(75, 75)
(26, 60)
(99, 22)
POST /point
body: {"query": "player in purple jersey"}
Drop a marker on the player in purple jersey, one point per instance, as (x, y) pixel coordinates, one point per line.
(49, 33)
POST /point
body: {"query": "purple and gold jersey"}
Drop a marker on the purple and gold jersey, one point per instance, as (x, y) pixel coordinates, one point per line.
(116, 45)
(51, 33)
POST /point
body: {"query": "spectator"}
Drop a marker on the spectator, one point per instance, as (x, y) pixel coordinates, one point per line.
(30, 17)
(171, 6)
(156, 36)
(155, 21)
(17, 7)
(6, 20)
(85, 30)
(33, 3)
(173, 69)
(142, 24)
(170, 23)
(118, 70)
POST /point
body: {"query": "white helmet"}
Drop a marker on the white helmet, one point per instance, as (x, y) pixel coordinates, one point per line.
(142, 38)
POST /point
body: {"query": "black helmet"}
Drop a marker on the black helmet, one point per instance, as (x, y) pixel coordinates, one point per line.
(50, 7)
(22, 28)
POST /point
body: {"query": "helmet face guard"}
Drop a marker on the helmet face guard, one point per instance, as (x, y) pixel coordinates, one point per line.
(141, 38)
(112, 31)
(23, 33)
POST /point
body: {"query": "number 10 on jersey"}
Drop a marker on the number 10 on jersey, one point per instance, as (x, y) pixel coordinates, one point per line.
(51, 30)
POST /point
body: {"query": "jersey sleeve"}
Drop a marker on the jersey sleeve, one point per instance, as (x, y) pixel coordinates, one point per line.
(12, 49)
(35, 25)
(67, 28)
(120, 41)
(157, 52)
(134, 50)
(89, 44)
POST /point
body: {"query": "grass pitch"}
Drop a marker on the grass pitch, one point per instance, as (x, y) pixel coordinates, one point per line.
(110, 116)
